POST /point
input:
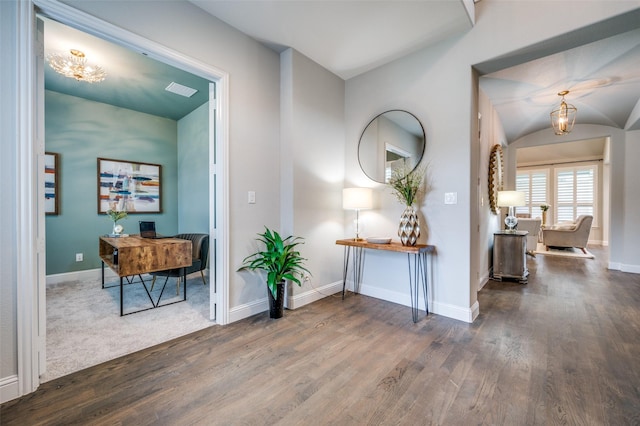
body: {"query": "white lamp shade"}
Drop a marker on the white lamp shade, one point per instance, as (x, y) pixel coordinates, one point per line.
(511, 199)
(357, 198)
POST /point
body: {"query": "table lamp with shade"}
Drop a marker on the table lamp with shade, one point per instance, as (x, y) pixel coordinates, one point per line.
(511, 199)
(357, 199)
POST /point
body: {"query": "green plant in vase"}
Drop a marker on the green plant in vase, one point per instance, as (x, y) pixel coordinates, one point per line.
(115, 216)
(281, 260)
(408, 185)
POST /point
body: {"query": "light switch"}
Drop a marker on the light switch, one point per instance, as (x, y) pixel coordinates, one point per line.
(251, 197)
(451, 198)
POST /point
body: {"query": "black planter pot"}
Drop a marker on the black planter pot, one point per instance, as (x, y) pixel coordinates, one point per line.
(276, 306)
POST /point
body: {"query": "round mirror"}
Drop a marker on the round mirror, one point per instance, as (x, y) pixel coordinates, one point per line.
(495, 177)
(393, 138)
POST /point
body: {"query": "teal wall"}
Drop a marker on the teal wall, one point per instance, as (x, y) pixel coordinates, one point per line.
(81, 131)
(193, 171)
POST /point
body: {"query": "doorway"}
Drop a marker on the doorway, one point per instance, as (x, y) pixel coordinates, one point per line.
(218, 141)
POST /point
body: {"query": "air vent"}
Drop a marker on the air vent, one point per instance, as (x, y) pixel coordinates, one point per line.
(181, 90)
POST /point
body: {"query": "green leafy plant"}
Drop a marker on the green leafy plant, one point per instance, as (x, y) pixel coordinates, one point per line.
(407, 183)
(544, 207)
(116, 215)
(280, 259)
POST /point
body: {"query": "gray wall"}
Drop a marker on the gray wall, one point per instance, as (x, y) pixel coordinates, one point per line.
(81, 131)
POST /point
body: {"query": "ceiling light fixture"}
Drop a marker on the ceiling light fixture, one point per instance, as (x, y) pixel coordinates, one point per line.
(75, 66)
(563, 117)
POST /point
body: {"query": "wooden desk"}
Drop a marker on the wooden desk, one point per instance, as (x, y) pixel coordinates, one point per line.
(417, 261)
(137, 256)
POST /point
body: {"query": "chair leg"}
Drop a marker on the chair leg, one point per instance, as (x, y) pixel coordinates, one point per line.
(584, 250)
(153, 282)
(204, 282)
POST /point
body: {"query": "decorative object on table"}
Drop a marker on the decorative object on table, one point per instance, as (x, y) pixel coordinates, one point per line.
(115, 216)
(51, 192)
(544, 207)
(131, 186)
(281, 261)
(496, 168)
(379, 240)
(357, 199)
(563, 117)
(408, 186)
(511, 199)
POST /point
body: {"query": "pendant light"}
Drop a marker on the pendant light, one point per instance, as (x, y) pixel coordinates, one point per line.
(563, 117)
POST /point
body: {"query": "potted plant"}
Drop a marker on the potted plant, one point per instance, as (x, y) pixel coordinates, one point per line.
(281, 261)
(408, 186)
(115, 216)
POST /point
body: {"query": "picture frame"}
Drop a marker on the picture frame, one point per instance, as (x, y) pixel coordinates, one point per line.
(129, 186)
(51, 187)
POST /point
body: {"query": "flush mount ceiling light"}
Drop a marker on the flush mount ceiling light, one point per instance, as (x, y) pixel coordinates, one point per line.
(563, 117)
(75, 66)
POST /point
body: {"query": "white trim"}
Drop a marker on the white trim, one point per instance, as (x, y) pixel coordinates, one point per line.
(622, 267)
(9, 388)
(451, 311)
(298, 300)
(27, 277)
(240, 312)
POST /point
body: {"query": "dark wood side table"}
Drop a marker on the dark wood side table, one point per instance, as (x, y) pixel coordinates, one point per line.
(417, 257)
(510, 255)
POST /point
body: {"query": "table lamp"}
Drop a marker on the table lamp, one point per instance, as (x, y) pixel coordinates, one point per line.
(511, 199)
(357, 199)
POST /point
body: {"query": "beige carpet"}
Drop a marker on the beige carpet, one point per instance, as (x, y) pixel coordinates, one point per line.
(84, 326)
(564, 252)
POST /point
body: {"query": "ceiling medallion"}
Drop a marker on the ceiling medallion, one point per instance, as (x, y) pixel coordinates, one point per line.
(563, 117)
(75, 66)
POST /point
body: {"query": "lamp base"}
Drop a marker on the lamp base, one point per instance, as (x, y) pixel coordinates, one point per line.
(511, 220)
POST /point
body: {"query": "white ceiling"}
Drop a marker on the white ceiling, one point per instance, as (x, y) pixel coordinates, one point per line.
(346, 37)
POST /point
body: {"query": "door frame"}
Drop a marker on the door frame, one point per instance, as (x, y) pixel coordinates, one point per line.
(31, 305)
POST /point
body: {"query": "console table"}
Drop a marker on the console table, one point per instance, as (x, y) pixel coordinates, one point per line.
(417, 262)
(137, 256)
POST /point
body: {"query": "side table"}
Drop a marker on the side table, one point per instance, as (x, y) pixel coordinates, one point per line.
(510, 255)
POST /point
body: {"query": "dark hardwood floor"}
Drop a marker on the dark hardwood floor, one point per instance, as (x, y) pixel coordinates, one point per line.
(563, 349)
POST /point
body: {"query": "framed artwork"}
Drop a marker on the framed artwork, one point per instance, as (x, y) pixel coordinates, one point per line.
(51, 192)
(129, 185)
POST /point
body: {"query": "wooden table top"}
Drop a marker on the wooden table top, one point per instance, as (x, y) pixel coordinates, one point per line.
(392, 246)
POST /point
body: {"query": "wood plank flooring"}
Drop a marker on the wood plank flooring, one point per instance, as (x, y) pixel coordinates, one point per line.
(563, 349)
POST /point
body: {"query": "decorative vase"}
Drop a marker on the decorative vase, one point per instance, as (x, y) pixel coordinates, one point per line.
(544, 217)
(409, 229)
(117, 229)
(276, 306)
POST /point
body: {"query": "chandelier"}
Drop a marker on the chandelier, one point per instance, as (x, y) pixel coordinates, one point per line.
(75, 66)
(563, 117)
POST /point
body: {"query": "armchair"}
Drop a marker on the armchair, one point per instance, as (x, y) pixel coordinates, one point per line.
(199, 253)
(574, 234)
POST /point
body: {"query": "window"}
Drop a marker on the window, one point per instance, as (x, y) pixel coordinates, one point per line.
(575, 192)
(534, 183)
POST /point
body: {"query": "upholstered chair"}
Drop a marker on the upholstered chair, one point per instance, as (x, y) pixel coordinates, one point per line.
(200, 254)
(571, 234)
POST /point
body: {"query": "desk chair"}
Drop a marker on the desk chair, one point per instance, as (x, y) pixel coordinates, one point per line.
(199, 253)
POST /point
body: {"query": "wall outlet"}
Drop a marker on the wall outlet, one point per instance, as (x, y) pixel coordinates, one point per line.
(451, 198)
(79, 257)
(251, 197)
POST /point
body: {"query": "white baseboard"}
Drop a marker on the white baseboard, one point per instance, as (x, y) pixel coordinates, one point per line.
(310, 296)
(444, 309)
(618, 266)
(88, 274)
(248, 309)
(8, 388)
